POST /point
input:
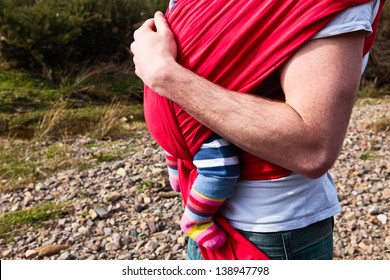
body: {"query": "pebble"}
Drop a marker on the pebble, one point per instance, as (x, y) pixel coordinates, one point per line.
(382, 218)
(107, 231)
(30, 254)
(112, 246)
(151, 246)
(181, 240)
(83, 230)
(121, 172)
(102, 213)
(92, 213)
(148, 152)
(15, 207)
(67, 256)
(6, 253)
(386, 194)
(112, 197)
(40, 187)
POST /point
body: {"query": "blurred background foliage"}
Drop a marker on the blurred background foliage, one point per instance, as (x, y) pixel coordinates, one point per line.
(51, 37)
(378, 69)
(57, 38)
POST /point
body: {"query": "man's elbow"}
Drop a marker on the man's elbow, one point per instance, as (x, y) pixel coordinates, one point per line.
(318, 164)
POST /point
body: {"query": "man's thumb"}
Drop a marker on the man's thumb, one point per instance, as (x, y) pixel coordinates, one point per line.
(160, 21)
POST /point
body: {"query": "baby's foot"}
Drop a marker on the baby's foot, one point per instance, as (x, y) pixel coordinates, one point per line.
(197, 220)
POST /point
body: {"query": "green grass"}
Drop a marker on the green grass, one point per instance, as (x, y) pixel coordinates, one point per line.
(29, 105)
(367, 155)
(73, 121)
(23, 162)
(20, 92)
(380, 125)
(370, 90)
(12, 223)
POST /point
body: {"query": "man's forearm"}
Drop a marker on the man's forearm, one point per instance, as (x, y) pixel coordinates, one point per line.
(269, 129)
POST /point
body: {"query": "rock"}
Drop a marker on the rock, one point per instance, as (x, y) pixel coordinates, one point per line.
(382, 218)
(40, 187)
(66, 256)
(151, 246)
(160, 227)
(92, 213)
(152, 226)
(52, 250)
(116, 237)
(30, 239)
(6, 253)
(368, 248)
(121, 172)
(147, 200)
(386, 193)
(126, 239)
(124, 257)
(181, 240)
(48, 242)
(61, 222)
(107, 231)
(139, 207)
(112, 246)
(374, 210)
(139, 244)
(117, 165)
(102, 213)
(83, 230)
(112, 197)
(15, 207)
(148, 152)
(30, 254)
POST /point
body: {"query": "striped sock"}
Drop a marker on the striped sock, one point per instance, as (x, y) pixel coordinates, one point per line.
(173, 173)
(197, 220)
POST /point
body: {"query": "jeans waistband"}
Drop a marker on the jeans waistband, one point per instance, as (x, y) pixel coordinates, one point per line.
(299, 237)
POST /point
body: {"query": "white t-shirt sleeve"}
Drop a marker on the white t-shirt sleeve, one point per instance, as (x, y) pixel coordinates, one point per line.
(353, 19)
(356, 18)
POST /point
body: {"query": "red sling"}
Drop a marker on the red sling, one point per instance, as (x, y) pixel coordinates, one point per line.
(236, 44)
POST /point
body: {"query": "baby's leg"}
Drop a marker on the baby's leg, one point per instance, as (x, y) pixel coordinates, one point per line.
(197, 220)
(172, 171)
(218, 170)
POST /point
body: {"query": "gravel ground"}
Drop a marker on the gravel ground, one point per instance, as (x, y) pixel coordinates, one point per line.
(126, 210)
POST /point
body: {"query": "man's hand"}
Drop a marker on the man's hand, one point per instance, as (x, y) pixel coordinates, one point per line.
(153, 48)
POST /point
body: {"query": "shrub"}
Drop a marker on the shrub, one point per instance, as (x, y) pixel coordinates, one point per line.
(52, 35)
(378, 68)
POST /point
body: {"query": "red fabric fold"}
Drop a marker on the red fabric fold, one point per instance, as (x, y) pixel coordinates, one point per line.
(236, 44)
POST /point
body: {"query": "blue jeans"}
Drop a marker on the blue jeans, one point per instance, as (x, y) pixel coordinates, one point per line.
(314, 242)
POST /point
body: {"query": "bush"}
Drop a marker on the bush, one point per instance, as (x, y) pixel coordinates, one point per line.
(51, 36)
(378, 68)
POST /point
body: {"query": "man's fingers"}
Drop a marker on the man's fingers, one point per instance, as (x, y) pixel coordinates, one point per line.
(148, 25)
(132, 45)
(160, 22)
